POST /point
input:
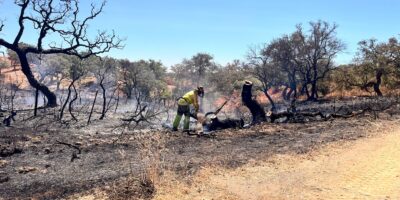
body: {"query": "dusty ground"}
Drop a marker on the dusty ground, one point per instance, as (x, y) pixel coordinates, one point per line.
(368, 168)
(267, 160)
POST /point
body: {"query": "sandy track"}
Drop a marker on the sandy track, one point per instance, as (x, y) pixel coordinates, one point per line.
(364, 169)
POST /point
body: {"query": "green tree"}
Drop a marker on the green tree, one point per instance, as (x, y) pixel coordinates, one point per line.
(377, 61)
(142, 77)
(224, 79)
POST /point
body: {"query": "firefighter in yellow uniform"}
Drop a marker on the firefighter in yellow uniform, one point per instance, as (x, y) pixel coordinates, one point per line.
(184, 107)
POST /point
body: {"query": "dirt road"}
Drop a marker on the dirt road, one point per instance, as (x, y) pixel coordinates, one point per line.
(368, 168)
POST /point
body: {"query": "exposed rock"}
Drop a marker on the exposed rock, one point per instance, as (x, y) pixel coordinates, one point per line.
(78, 143)
(3, 163)
(26, 169)
(36, 140)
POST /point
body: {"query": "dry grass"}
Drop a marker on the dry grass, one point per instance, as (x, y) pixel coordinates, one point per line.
(142, 185)
(139, 183)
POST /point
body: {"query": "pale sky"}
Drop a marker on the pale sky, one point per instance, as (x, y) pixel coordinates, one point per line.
(170, 30)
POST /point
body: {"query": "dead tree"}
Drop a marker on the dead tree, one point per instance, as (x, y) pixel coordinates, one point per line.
(68, 97)
(36, 102)
(7, 120)
(138, 116)
(111, 103)
(103, 111)
(14, 88)
(71, 103)
(53, 18)
(374, 84)
(146, 109)
(255, 108)
(92, 109)
(103, 71)
(318, 50)
(267, 73)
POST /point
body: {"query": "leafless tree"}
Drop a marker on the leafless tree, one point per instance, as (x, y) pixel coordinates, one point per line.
(145, 109)
(76, 71)
(264, 70)
(104, 70)
(283, 54)
(92, 109)
(316, 54)
(52, 17)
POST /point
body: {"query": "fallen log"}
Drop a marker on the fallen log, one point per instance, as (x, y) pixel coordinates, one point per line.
(296, 116)
(292, 115)
(210, 121)
(214, 123)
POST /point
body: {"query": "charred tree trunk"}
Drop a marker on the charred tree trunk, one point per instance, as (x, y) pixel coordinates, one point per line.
(304, 90)
(71, 103)
(314, 82)
(314, 91)
(44, 100)
(51, 97)
(255, 108)
(36, 102)
(269, 99)
(285, 92)
(103, 112)
(117, 103)
(12, 100)
(373, 84)
(67, 100)
(91, 111)
(217, 124)
(110, 100)
(378, 83)
(293, 87)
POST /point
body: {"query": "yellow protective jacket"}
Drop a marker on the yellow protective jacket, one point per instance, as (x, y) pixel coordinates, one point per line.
(189, 98)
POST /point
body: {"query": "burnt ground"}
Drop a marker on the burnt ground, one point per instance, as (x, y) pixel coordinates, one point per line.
(38, 158)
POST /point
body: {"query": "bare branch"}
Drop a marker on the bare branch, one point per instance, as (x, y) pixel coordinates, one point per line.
(51, 17)
(1, 25)
(6, 44)
(23, 4)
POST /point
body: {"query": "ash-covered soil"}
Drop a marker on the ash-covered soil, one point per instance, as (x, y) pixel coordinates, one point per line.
(47, 160)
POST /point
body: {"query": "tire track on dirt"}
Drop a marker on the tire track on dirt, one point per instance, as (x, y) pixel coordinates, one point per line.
(376, 173)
